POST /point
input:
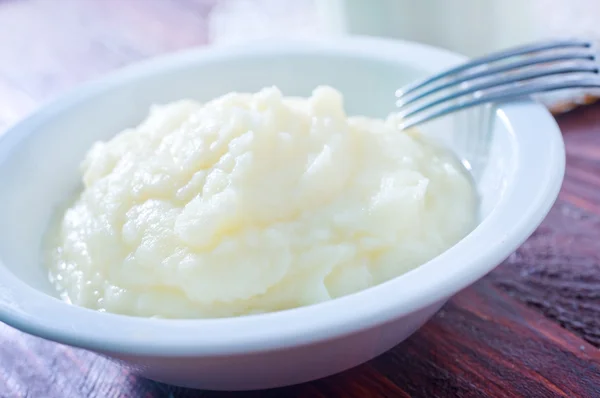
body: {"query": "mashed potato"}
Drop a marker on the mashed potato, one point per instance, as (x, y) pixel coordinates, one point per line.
(254, 203)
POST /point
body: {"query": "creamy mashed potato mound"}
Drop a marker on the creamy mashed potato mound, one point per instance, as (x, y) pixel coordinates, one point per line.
(253, 203)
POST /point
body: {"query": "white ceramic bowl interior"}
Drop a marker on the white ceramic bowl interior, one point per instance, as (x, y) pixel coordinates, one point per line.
(515, 151)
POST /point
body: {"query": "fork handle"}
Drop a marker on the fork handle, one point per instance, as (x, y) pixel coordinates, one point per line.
(501, 95)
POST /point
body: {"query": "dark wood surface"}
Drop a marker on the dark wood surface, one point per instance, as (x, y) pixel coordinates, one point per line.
(529, 329)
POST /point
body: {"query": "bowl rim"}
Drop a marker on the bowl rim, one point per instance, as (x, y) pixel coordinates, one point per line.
(521, 209)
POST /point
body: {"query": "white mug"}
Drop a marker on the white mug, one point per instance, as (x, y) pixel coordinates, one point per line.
(470, 27)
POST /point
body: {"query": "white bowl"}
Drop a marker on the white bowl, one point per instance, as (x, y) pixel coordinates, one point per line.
(517, 159)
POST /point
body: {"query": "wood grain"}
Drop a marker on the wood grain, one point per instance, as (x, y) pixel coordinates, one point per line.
(557, 271)
(526, 330)
(582, 139)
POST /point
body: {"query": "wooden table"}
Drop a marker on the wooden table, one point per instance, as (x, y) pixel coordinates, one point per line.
(529, 329)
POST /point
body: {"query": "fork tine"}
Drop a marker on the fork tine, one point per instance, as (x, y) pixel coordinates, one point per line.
(551, 45)
(414, 96)
(527, 75)
(511, 92)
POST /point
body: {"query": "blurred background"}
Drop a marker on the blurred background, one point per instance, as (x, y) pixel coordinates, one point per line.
(47, 46)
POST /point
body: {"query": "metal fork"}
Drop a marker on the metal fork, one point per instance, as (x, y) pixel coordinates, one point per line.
(500, 77)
